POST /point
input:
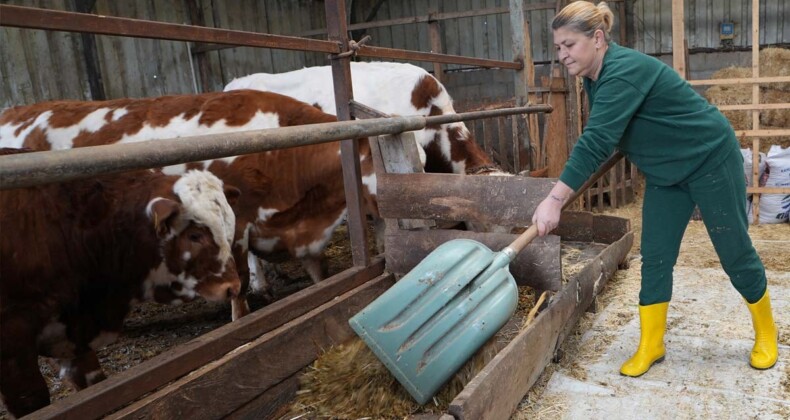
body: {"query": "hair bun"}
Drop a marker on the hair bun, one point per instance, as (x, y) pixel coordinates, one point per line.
(606, 15)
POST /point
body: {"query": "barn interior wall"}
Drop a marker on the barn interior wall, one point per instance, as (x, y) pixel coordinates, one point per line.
(38, 65)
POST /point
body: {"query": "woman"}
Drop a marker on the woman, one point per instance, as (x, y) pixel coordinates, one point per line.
(689, 155)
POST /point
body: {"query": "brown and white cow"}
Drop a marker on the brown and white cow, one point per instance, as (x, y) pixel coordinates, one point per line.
(392, 88)
(291, 199)
(76, 255)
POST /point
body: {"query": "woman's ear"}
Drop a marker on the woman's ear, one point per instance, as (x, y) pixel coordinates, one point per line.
(600, 39)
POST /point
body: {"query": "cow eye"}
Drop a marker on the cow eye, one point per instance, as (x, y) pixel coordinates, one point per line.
(195, 236)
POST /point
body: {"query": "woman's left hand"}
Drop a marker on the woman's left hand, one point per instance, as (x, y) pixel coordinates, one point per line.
(547, 215)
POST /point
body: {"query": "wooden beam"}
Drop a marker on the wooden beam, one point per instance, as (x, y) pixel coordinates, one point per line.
(203, 67)
(524, 79)
(739, 81)
(91, 56)
(753, 106)
(755, 62)
(349, 152)
(433, 17)
(678, 35)
(390, 53)
(556, 137)
(434, 31)
(480, 198)
(131, 384)
(219, 388)
(768, 190)
(56, 20)
(762, 133)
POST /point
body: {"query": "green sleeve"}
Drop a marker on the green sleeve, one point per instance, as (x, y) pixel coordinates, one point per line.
(614, 104)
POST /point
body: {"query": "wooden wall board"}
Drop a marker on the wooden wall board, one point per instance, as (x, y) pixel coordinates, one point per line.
(537, 266)
(478, 198)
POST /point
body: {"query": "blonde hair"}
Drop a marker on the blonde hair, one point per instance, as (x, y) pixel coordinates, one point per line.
(586, 18)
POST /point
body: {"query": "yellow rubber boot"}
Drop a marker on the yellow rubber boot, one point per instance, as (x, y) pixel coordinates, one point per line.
(653, 321)
(766, 349)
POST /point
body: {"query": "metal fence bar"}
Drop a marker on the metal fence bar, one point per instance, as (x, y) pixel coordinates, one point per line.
(29, 169)
(56, 20)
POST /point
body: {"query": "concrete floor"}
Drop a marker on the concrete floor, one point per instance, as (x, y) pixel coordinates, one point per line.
(705, 374)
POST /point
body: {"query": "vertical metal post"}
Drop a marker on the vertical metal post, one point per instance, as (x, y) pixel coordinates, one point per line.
(337, 30)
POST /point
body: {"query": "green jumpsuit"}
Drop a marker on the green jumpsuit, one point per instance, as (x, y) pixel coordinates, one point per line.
(689, 154)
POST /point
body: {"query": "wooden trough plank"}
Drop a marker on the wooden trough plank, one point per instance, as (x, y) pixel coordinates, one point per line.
(537, 266)
(239, 377)
(523, 360)
(484, 199)
(126, 386)
(271, 404)
(588, 227)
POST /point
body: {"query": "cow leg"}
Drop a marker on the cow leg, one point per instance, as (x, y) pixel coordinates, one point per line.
(313, 265)
(82, 371)
(239, 306)
(379, 228)
(262, 276)
(22, 388)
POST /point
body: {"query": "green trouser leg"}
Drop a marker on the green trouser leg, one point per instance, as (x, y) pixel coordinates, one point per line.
(721, 197)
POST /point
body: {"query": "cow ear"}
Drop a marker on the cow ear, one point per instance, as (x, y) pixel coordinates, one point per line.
(232, 194)
(163, 214)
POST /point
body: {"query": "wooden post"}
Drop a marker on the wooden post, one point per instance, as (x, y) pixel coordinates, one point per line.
(436, 47)
(756, 112)
(556, 135)
(203, 68)
(341, 75)
(92, 66)
(678, 35)
(623, 32)
(524, 80)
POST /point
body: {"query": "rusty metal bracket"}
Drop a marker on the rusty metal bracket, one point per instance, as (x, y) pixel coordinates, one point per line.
(353, 47)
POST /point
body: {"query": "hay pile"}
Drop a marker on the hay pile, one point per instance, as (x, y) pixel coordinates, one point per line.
(774, 62)
(349, 382)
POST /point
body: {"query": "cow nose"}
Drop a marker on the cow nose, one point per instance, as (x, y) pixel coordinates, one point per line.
(232, 290)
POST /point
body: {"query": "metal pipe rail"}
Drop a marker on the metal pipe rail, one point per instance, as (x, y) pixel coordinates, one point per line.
(30, 169)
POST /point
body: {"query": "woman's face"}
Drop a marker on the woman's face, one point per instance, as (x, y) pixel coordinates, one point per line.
(580, 54)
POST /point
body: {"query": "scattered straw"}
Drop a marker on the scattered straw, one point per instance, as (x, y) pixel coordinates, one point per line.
(534, 311)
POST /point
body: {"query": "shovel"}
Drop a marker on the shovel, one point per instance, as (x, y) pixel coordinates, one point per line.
(428, 324)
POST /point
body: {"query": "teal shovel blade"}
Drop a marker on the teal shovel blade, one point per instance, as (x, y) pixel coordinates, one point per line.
(427, 325)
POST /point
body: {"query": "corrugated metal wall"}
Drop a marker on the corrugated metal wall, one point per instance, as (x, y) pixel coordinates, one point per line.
(652, 23)
(39, 65)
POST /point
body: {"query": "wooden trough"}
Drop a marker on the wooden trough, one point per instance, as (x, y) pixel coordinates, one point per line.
(251, 368)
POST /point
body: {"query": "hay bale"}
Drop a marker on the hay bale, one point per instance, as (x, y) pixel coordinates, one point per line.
(775, 62)
(775, 117)
(767, 142)
(732, 95)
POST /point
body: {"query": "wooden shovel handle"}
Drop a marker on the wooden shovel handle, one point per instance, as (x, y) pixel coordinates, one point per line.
(525, 238)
